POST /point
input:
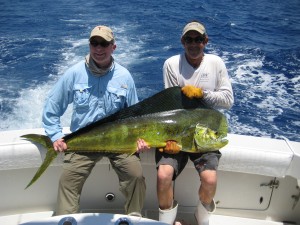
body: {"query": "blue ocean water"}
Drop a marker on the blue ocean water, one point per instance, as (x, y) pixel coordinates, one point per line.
(259, 40)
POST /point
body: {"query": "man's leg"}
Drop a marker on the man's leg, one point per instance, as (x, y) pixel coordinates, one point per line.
(169, 166)
(208, 186)
(131, 180)
(206, 166)
(76, 169)
(165, 186)
(167, 206)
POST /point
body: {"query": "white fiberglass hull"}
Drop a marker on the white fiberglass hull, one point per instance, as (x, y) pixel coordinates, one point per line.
(258, 183)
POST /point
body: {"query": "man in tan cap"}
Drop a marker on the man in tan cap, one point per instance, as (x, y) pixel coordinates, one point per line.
(104, 32)
(97, 86)
(207, 75)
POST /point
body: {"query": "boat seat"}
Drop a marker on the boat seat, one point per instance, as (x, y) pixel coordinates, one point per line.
(257, 155)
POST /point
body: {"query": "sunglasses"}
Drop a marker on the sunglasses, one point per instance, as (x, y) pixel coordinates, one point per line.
(197, 40)
(103, 44)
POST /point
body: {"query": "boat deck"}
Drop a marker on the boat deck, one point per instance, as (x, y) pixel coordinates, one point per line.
(112, 219)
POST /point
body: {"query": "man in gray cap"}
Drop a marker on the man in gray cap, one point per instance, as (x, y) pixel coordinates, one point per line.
(207, 75)
(97, 86)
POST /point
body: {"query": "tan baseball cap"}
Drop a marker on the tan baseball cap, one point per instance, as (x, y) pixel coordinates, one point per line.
(196, 26)
(104, 32)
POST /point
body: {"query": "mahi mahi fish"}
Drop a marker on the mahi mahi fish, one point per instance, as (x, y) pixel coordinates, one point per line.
(193, 129)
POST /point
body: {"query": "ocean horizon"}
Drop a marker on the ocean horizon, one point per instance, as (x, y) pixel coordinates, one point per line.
(258, 40)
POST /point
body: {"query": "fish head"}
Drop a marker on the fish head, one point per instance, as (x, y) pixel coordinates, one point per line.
(207, 139)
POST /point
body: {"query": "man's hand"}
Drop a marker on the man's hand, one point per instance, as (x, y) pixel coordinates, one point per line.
(192, 91)
(60, 145)
(171, 147)
(141, 146)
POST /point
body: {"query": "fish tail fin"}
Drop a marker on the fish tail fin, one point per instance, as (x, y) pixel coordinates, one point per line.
(50, 155)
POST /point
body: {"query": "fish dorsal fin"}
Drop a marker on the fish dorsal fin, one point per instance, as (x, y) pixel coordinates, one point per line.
(165, 100)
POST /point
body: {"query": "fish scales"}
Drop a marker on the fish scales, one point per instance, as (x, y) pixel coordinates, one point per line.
(156, 129)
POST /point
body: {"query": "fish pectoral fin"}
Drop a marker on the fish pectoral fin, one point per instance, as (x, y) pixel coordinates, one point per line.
(172, 147)
(187, 140)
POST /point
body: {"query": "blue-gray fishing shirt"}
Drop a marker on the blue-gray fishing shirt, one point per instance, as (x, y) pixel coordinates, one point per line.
(93, 97)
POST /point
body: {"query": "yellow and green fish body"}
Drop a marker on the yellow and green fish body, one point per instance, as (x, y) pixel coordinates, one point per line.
(208, 126)
(194, 130)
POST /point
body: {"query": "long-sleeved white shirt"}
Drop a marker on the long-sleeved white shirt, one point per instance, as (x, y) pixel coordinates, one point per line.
(211, 76)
